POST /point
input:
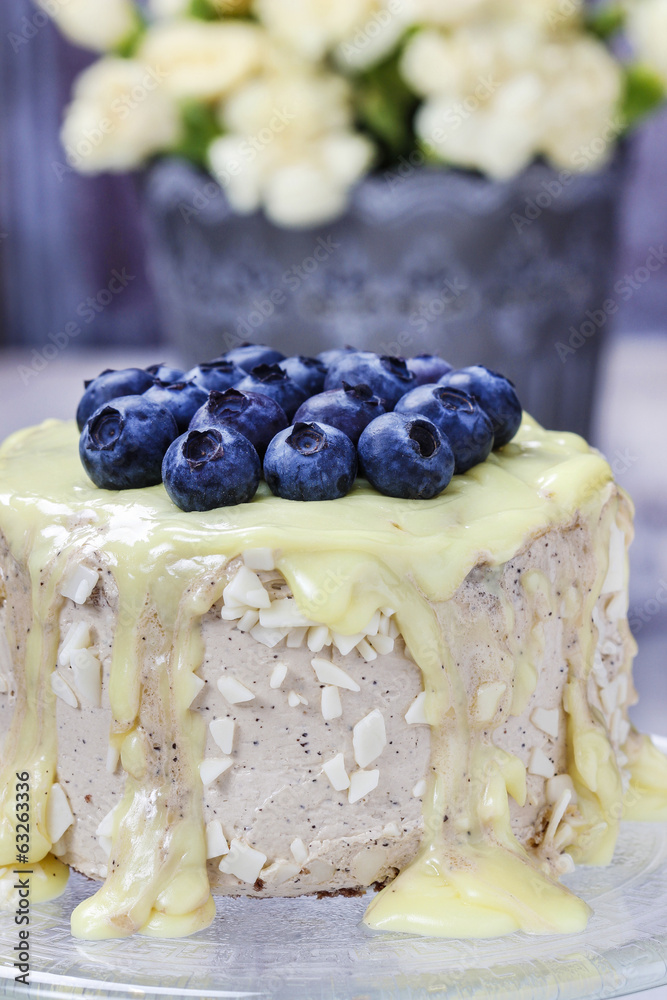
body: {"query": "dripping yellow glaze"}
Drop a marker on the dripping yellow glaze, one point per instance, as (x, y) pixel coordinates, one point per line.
(343, 560)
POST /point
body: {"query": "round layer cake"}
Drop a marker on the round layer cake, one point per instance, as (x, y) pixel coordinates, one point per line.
(290, 697)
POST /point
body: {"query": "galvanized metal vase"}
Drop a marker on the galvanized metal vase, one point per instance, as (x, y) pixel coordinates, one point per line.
(512, 275)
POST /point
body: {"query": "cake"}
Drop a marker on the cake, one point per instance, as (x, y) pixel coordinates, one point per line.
(428, 697)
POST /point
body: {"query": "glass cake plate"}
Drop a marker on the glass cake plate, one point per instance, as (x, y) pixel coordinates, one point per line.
(310, 949)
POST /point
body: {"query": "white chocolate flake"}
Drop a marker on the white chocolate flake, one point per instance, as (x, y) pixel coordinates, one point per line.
(87, 671)
(336, 773)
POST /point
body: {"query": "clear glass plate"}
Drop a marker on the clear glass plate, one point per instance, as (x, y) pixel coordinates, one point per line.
(310, 949)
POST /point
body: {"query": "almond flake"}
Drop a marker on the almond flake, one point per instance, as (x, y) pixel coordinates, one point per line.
(346, 643)
(222, 731)
(87, 671)
(284, 613)
(331, 706)
(192, 685)
(362, 783)
(336, 773)
(248, 621)
(233, 691)
(278, 675)
(243, 861)
(318, 637)
(382, 644)
(299, 851)
(296, 638)
(59, 815)
(268, 636)
(216, 842)
(259, 559)
(246, 588)
(540, 764)
(416, 714)
(113, 758)
(78, 637)
(211, 769)
(62, 690)
(294, 699)
(366, 651)
(419, 789)
(328, 673)
(547, 719)
(487, 699)
(105, 827)
(369, 738)
(79, 584)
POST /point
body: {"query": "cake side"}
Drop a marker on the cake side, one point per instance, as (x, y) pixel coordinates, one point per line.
(472, 558)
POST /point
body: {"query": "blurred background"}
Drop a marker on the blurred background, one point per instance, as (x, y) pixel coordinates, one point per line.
(558, 281)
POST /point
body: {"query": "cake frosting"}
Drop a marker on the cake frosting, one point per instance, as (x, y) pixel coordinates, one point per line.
(283, 698)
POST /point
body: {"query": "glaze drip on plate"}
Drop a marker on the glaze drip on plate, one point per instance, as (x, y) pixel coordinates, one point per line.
(343, 561)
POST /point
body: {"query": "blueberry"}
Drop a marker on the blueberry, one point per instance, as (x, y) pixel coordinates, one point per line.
(257, 417)
(405, 455)
(183, 399)
(329, 357)
(271, 380)
(165, 373)
(110, 385)
(494, 393)
(248, 356)
(219, 375)
(428, 368)
(307, 372)
(456, 415)
(213, 467)
(388, 377)
(350, 409)
(124, 441)
(310, 461)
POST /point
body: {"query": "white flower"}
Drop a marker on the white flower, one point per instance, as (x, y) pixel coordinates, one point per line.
(289, 147)
(203, 59)
(647, 30)
(498, 96)
(119, 116)
(359, 32)
(94, 25)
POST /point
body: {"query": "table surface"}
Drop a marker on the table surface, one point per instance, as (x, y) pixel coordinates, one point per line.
(629, 429)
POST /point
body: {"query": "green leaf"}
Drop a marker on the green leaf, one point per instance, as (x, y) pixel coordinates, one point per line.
(203, 10)
(643, 92)
(606, 21)
(130, 43)
(200, 128)
(385, 107)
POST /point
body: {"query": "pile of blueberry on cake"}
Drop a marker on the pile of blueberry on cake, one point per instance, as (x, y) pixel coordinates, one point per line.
(309, 426)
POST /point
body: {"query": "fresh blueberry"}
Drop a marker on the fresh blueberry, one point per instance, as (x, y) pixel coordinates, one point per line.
(494, 393)
(248, 356)
(456, 415)
(214, 467)
(307, 372)
(428, 368)
(310, 461)
(329, 357)
(271, 380)
(388, 377)
(405, 455)
(124, 441)
(257, 417)
(111, 384)
(183, 399)
(218, 375)
(350, 409)
(165, 373)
